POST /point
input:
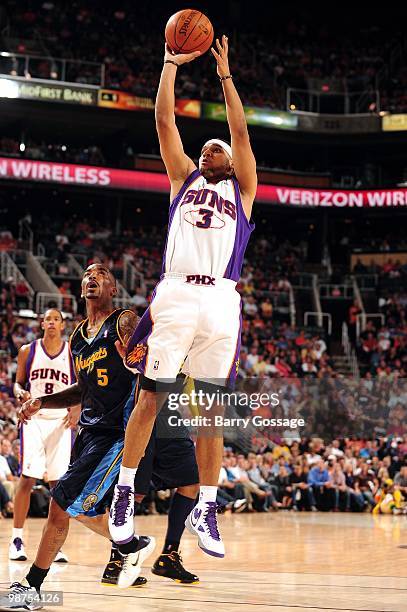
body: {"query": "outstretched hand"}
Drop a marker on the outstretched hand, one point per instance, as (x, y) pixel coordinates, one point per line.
(180, 58)
(221, 56)
(71, 419)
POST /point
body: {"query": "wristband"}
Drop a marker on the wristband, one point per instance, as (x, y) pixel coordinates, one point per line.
(167, 61)
(228, 76)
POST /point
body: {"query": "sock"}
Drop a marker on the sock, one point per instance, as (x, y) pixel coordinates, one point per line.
(207, 493)
(114, 552)
(17, 533)
(126, 476)
(129, 547)
(180, 507)
(36, 576)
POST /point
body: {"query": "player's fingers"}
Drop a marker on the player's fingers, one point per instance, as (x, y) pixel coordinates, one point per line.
(219, 45)
(215, 55)
(194, 55)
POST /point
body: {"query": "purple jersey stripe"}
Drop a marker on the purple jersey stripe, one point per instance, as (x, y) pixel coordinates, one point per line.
(31, 354)
(20, 467)
(234, 368)
(174, 206)
(71, 368)
(243, 230)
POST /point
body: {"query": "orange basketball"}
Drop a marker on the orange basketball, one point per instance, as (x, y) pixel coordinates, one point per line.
(189, 30)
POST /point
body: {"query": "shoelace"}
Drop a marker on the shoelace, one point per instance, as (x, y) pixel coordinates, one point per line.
(17, 587)
(120, 508)
(18, 543)
(210, 520)
(174, 555)
(126, 563)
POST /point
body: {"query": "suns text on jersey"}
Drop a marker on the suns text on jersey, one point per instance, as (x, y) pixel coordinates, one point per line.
(210, 199)
(50, 374)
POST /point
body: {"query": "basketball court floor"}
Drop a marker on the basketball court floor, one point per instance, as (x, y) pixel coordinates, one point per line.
(281, 562)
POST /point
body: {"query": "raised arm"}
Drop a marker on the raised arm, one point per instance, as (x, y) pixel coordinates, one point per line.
(244, 163)
(178, 165)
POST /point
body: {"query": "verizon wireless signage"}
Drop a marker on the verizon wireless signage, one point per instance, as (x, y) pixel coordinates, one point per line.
(135, 180)
(330, 198)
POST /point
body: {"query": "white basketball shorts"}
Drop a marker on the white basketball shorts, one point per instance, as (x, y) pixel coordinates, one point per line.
(193, 323)
(45, 448)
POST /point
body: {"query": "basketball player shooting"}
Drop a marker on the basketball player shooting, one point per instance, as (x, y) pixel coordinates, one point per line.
(195, 311)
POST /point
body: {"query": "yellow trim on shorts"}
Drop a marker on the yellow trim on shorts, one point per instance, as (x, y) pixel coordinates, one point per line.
(115, 460)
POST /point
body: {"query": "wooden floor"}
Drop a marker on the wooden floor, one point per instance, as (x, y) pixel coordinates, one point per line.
(284, 562)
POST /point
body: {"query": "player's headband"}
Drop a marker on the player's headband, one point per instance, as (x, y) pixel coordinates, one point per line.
(225, 146)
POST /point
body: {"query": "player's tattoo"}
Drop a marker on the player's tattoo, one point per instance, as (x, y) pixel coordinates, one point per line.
(127, 323)
(64, 399)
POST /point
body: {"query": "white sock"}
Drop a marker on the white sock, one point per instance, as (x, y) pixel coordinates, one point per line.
(126, 476)
(207, 493)
(17, 533)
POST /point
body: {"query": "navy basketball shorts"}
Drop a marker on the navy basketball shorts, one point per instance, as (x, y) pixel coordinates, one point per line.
(95, 463)
(168, 463)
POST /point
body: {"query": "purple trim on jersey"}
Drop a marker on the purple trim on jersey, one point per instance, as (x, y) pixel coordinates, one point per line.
(20, 464)
(140, 337)
(174, 206)
(46, 352)
(71, 368)
(243, 230)
(28, 365)
(234, 368)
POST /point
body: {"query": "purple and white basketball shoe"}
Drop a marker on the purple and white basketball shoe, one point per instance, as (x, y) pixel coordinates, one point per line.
(121, 515)
(202, 522)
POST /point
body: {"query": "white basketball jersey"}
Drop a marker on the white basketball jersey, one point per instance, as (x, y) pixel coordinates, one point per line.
(208, 230)
(47, 374)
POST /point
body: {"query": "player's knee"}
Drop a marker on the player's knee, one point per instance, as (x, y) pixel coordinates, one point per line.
(57, 515)
(26, 483)
(149, 403)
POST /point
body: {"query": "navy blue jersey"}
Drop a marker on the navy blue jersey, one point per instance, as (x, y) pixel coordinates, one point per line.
(106, 384)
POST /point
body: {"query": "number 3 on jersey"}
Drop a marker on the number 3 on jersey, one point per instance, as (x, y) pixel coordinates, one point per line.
(206, 218)
(102, 377)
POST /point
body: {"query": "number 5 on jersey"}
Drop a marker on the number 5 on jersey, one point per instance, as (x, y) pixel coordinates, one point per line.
(102, 377)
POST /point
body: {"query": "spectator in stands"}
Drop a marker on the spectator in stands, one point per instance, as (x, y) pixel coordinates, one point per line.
(400, 481)
(318, 479)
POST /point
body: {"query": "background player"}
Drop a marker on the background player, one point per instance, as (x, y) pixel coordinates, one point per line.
(103, 387)
(43, 367)
(196, 308)
(169, 463)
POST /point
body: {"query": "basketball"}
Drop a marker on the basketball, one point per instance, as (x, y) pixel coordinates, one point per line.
(188, 31)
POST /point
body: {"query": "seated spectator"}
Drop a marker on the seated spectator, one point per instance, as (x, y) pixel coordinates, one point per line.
(318, 479)
(301, 491)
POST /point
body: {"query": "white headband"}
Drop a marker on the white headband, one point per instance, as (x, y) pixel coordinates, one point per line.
(225, 146)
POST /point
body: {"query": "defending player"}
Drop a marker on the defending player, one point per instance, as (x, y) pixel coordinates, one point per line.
(169, 463)
(43, 367)
(196, 308)
(103, 388)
